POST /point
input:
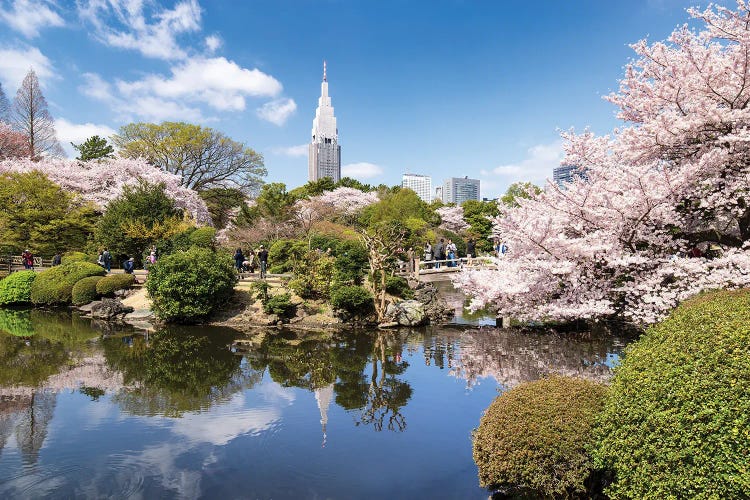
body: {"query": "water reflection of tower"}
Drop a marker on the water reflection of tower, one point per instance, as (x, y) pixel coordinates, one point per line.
(323, 397)
(28, 415)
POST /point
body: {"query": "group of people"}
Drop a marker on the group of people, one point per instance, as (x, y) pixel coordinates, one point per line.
(443, 251)
(251, 261)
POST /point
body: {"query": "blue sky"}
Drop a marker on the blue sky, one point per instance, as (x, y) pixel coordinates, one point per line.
(437, 87)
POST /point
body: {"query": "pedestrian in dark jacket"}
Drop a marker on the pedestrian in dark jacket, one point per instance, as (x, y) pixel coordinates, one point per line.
(263, 260)
(239, 258)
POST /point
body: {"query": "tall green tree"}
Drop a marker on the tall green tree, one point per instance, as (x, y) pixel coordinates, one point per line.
(38, 214)
(203, 157)
(519, 190)
(478, 215)
(94, 148)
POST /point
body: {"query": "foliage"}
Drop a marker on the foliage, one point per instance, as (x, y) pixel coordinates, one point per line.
(284, 254)
(313, 275)
(85, 290)
(108, 285)
(16, 322)
(37, 214)
(351, 262)
(31, 117)
(383, 241)
(27, 361)
(517, 191)
(280, 305)
(202, 157)
(353, 299)
(223, 204)
(136, 219)
(12, 144)
(16, 288)
(479, 215)
(55, 285)
(536, 436)
(94, 148)
(74, 256)
(187, 286)
(101, 181)
(261, 289)
(203, 237)
(675, 176)
(398, 286)
(677, 418)
(399, 205)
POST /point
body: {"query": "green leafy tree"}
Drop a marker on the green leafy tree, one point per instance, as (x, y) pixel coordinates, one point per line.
(519, 190)
(221, 203)
(94, 148)
(477, 214)
(399, 205)
(135, 220)
(38, 214)
(203, 157)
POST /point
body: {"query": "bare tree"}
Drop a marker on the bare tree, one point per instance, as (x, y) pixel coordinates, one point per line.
(203, 157)
(31, 117)
(4, 106)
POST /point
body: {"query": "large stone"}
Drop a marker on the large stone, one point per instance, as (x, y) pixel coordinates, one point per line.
(109, 309)
(409, 313)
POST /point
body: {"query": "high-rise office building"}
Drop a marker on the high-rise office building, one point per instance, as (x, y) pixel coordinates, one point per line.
(567, 173)
(438, 193)
(460, 189)
(420, 184)
(324, 152)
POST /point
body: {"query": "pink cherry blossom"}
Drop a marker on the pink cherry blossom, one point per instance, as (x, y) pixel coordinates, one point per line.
(452, 218)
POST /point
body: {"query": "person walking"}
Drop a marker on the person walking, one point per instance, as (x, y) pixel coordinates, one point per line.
(100, 259)
(428, 253)
(263, 260)
(470, 250)
(107, 260)
(239, 258)
(439, 252)
(28, 259)
(452, 251)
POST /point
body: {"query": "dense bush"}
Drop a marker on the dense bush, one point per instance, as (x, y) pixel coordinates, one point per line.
(280, 305)
(55, 285)
(188, 286)
(85, 290)
(536, 437)
(203, 237)
(283, 255)
(353, 299)
(398, 286)
(677, 418)
(69, 257)
(110, 284)
(16, 288)
(313, 275)
(261, 289)
(351, 262)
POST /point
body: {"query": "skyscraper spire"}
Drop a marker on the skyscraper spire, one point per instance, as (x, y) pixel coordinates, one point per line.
(324, 153)
(324, 71)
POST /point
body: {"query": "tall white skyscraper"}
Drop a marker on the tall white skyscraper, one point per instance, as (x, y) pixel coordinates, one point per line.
(420, 184)
(324, 152)
(460, 189)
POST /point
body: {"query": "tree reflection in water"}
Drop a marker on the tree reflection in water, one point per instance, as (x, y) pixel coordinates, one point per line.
(177, 370)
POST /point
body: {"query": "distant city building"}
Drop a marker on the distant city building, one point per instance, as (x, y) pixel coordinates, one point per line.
(420, 184)
(460, 189)
(567, 173)
(324, 152)
(438, 193)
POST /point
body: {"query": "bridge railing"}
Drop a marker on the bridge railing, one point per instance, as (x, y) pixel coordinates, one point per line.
(421, 267)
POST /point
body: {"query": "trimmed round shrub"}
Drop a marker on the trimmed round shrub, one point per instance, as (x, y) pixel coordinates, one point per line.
(203, 237)
(69, 257)
(16, 288)
(55, 285)
(189, 285)
(352, 299)
(537, 436)
(108, 285)
(280, 305)
(677, 418)
(398, 286)
(85, 290)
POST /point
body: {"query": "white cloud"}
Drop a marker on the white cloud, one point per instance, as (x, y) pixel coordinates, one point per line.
(213, 43)
(29, 17)
(536, 167)
(68, 132)
(142, 26)
(294, 151)
(96, 87)
(361, 170)
(277, 111)
(15, 63)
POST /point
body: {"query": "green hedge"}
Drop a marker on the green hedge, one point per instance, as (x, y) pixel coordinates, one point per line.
(85, 290)
(398, 286)
(280, 305)
(352, 299)
(69, 257)
(108, 285)
(16, 288)
(203, 237)
(55, 285)
(677, 418)
(187, 286)
(537, 435)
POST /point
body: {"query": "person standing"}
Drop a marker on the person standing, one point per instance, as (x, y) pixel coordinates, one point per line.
(57, 259)
(263, 260)
(470, 250)
(428, 253)
(129, 265)
(28, 259)
(439, 252)
(107, 260)
(100, 259)
(410, 260)
(452, 251)
(238, 259)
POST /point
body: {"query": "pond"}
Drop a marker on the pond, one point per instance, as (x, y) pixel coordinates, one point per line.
(91, 412)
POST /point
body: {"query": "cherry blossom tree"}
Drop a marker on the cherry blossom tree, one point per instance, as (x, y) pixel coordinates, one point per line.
(452, 218)
(12, 144)
(674, 177)
(100, 182)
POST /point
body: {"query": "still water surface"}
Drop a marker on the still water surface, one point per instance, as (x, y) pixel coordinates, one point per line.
(213, 413)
